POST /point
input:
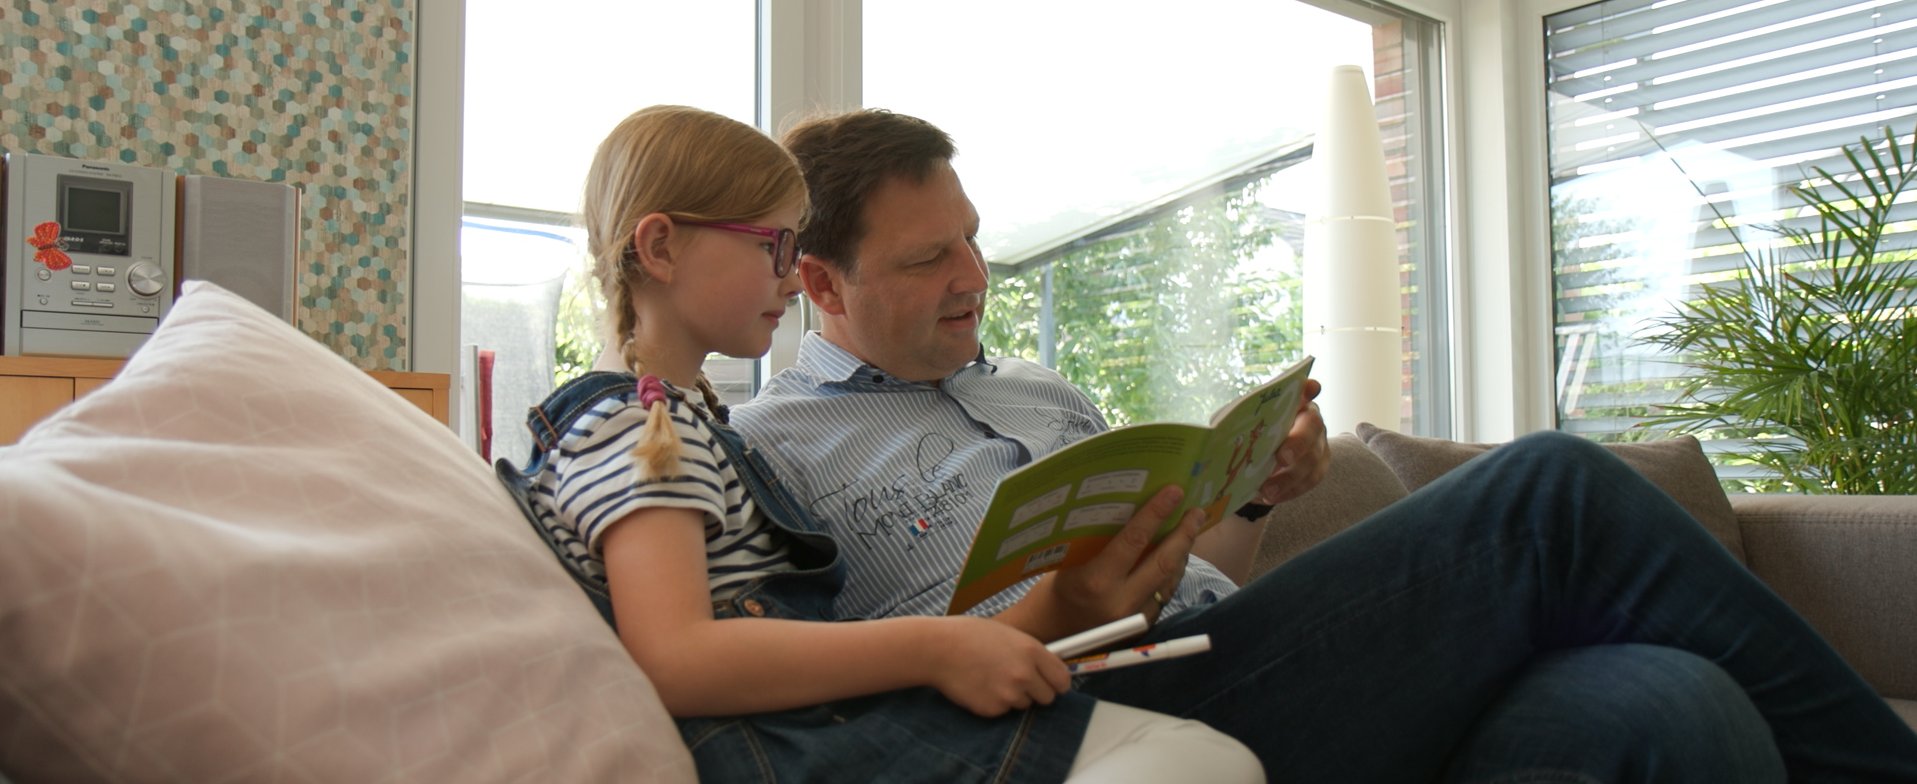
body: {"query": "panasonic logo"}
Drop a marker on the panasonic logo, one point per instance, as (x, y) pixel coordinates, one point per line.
(91, 167)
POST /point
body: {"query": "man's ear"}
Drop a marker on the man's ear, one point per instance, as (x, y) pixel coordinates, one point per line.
(824, 284)
(652, 245)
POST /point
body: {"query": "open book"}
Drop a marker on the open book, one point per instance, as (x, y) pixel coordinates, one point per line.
(1060, 510)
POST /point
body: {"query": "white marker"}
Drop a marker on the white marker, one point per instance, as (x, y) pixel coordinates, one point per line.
(1143, 654)
(1098, 636)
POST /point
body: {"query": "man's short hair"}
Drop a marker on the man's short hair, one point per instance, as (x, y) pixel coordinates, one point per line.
(847, 156)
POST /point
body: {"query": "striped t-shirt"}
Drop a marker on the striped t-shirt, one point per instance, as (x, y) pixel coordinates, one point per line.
(591, 481)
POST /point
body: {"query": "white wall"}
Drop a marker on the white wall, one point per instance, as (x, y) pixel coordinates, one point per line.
(1503, 262)
(1500, 248)
(813, 61)
(437, 112)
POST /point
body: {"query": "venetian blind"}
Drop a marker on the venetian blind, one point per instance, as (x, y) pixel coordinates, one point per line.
(1664, 120)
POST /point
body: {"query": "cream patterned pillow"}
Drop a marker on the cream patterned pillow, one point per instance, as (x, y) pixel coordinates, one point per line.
(246, 560)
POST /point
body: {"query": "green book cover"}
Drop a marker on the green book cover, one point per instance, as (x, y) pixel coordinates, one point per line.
(1060, 510)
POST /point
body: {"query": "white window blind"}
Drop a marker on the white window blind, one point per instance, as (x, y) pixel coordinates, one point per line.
(1664, 116)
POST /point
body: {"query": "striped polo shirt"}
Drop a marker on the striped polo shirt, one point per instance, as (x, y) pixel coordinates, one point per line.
(592, 481)
(900, 472)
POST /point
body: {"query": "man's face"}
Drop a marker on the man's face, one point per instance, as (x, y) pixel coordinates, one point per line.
(912, 308)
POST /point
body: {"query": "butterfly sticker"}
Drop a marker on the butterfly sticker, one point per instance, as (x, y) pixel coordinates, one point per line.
(48, 248)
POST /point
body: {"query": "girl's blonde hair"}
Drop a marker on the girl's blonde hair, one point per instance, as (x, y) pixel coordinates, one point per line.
(691, 165)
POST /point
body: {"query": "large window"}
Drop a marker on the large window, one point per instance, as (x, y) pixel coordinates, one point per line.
(543, 86)
(1144, 172)
(1675, 132)
(1144, 175)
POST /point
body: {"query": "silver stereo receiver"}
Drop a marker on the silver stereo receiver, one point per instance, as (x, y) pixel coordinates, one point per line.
(89, 255)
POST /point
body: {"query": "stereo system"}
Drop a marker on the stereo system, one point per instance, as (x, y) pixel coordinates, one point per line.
(94, 252)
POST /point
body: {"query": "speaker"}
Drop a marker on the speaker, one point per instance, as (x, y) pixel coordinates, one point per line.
(243, 236)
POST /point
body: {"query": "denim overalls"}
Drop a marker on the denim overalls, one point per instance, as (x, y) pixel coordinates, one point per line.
(907, 735)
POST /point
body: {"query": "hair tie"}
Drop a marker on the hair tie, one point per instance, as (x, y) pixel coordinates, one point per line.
(651, 390)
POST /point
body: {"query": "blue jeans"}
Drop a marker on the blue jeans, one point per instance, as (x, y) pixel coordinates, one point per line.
(1627, 712)
(1394, 649)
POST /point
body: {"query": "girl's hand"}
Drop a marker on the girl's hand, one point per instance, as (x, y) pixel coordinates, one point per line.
(990, 668)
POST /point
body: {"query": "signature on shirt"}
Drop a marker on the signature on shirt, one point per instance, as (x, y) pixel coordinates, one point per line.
(913, 504)
(1070, 426)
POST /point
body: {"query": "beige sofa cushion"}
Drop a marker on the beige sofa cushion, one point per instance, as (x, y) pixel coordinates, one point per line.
(1907, 709)
(245, 560)
(1358, 485)
(1676, 465)
(1848, 564)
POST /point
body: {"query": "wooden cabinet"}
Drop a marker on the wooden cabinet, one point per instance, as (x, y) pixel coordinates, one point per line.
(31, 388)
(431, 392)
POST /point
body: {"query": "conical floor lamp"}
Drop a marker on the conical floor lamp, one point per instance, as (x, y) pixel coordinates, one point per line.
(1352, 313)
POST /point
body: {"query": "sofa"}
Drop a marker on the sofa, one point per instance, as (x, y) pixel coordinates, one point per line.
(1848, 564)
(244, 559)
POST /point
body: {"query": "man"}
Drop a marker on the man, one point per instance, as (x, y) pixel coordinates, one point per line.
(1545, 609)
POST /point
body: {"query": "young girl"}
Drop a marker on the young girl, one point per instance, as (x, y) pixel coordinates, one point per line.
(718, 583)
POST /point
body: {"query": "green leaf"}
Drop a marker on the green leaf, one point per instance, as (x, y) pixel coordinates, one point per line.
(1812, 360)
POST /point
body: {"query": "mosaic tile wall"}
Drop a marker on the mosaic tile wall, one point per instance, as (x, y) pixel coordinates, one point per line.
(315, 93)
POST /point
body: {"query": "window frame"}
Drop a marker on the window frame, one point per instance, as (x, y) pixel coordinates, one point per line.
(809, 59)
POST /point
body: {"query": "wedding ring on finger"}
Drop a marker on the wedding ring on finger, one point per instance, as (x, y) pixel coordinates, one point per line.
(1159, 597)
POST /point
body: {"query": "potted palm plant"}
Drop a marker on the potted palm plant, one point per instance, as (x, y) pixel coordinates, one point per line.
(1811, 353)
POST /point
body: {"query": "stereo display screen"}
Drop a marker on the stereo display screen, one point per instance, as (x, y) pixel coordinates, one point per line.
(95, 211)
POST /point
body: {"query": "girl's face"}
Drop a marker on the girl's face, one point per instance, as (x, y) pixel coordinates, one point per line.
(725, 295)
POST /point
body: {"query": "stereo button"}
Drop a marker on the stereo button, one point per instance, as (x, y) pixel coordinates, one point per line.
(106, 272)
(43, 273)
(146, 279)
(82, 269)
(102, 287)
(81, 285)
